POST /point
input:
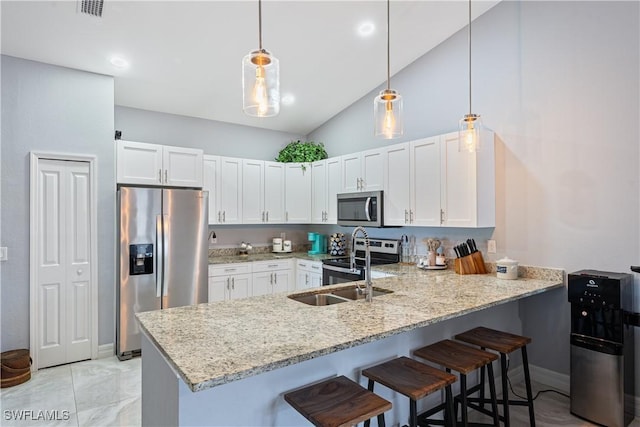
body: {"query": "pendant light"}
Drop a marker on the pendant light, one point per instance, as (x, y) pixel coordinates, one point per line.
(471, 124)
(260, 80)
(387, 107)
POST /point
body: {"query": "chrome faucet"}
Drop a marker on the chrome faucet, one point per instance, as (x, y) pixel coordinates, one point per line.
(368, 291)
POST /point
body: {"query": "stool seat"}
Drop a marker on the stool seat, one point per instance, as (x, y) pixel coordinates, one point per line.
(456, 356)
(499, 341)
(337, 402)
(414, 380)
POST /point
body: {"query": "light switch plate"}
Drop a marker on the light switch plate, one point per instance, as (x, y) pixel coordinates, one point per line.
(4, 253)
(491, 246)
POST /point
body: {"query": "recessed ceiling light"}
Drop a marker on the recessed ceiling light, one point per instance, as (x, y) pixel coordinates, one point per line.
(118, 62)
(366, 29)
(287, 99)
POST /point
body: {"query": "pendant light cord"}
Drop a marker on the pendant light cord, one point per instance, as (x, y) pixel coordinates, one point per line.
(469, 36)
(388, 48)
(260, 23)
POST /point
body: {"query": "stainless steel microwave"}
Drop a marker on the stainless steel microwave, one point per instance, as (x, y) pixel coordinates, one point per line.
(364, 208)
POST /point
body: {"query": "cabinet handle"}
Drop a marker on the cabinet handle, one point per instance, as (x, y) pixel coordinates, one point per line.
(410, 216)
(441, 216)
(228, 282)
(229, 269)
(160, 176)
(306, 278)
(262, 216)
(286, 216)
(219, 216)
(224, 216)
(233, 283)
(405, 216)
(271, 278)
(272, 265)
(267, 216)
(275, 278)
(165, 176)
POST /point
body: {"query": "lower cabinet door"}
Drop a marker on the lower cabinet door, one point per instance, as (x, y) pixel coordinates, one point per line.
(218, 288)
(240, 286)
(262, 283)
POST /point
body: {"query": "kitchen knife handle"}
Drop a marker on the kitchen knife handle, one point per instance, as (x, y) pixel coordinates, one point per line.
(158, 256)
(165, 255)
(366, 208)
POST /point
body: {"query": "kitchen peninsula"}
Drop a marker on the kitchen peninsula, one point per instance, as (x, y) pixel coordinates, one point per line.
(230, 363)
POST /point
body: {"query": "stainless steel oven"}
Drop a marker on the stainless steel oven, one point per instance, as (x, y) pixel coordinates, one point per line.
(337, 270)
(364, 208)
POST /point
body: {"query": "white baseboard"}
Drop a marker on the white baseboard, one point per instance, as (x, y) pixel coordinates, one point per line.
(106, 350)
(551, 378)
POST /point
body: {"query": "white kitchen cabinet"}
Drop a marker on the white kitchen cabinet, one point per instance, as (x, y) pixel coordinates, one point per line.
(467, 183)
(424, 182)
(230, 194)
(229, 281)
(274, 185)
(252, 191)
(152, 164)
(363, 171)
(326, 184)
(308, 274)
(270, 277)
(297, 193)
(210, 183)
(397, 200)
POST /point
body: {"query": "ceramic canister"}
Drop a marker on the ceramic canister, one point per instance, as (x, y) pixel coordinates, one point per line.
(507, 269)
(277, 244)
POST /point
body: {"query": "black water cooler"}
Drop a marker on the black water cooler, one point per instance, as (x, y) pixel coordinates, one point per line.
(602, 347)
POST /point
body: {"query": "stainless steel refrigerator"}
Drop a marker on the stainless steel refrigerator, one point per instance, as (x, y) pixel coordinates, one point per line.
(163, 256)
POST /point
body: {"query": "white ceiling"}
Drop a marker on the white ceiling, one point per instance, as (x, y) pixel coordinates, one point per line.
(185, 56)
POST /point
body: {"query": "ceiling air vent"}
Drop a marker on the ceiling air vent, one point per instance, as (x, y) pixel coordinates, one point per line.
(91, 7)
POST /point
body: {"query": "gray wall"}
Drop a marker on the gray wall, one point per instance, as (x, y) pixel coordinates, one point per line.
(220, 138)
(559, 83)
(52, 109)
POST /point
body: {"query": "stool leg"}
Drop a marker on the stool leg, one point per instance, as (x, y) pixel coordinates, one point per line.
(413, 413)
(505, 388)
(449, 417)
(482, 374)
(463, 394)
(492, 391)
(381, 420)
(527, 382)
(367, 423)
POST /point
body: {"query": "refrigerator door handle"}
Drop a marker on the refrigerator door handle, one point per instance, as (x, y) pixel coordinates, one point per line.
(159, 256)
(165, 255)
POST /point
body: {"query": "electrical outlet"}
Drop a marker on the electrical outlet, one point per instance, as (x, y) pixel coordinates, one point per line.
(491, 246)
(4, 253)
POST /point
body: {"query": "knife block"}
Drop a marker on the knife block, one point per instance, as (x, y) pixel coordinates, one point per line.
(470, 264)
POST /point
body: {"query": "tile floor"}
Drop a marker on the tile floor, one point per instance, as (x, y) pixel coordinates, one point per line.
(106, 392)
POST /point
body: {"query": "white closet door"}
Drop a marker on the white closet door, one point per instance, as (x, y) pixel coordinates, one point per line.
(64, 264)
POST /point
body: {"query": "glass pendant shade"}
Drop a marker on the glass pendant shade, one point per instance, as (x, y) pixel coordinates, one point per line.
(469, 133)
(260, 84)
(387, 114)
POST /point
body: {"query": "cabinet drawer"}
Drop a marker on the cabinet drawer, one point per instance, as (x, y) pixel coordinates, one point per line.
(280, 264)
(312, 266)
(227, 269)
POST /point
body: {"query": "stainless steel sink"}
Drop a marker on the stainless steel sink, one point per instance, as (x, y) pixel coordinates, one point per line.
(352, 292)
(335, 296)
(318, 299)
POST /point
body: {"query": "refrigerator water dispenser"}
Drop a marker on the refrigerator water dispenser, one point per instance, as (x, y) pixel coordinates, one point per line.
(141, 259)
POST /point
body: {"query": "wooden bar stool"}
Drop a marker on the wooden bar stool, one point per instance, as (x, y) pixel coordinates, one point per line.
(338, 402)
(504, 343)
(462, 359)
(414, 380)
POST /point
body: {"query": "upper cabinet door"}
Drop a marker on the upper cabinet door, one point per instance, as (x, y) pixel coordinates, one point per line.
(230, 207)
(139, 163)
(210, 183)
(397, 202)
(252, 191)
(468, 183)
(351, 173)
(372, 178)
(274, 183)
(319, 191)
(334, 186)
(298, 193)
(182, 166)
(425, 182)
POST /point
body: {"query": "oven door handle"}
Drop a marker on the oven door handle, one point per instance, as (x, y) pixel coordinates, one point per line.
(339, 269)
(367, 207)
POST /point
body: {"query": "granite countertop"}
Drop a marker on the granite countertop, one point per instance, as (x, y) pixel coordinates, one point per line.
(266, 256)
(217, 343)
